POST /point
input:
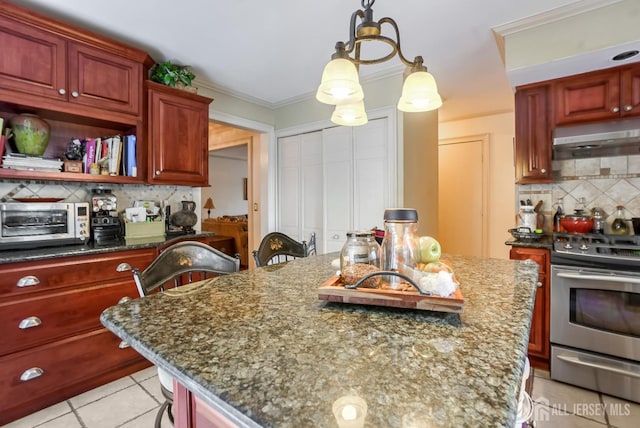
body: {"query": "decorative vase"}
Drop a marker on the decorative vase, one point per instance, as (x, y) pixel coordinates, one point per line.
(186, 218)
(30, 133)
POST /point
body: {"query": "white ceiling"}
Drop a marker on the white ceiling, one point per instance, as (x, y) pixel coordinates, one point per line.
(273, 52)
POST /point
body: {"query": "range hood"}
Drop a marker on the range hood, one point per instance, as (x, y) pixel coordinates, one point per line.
(619, 138)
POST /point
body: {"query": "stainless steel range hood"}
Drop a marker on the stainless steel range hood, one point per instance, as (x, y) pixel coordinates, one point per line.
(619, 138)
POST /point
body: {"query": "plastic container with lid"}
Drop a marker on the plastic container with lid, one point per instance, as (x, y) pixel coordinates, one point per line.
(360, 256)
(400, 243)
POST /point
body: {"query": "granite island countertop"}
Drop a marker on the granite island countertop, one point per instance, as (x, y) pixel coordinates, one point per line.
(259, 347)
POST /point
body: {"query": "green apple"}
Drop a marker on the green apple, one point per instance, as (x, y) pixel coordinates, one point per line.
(430, 250)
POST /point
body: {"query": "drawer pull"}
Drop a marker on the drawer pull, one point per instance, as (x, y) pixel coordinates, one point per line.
(123, 267)
(123, 345)
(29, 323)
(538, 284)
(125, 299)
(31, 373)
(28, 281)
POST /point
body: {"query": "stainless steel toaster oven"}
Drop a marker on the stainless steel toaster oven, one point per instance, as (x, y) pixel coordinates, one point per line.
(39, 224)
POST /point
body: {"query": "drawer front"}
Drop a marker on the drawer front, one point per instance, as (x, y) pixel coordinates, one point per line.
(46, 316)
(28, 277)
(54, 369)
(540, 256)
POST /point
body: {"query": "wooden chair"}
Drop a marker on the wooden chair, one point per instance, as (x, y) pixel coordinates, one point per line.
(181, 263)
(277, 247)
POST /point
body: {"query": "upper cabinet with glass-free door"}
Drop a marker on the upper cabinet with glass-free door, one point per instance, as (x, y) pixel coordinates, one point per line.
(60, 68)
(604, 95)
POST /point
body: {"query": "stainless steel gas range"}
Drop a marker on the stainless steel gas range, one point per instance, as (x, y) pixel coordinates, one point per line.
(595, 312)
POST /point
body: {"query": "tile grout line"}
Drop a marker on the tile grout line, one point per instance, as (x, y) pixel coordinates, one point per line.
(145, 389)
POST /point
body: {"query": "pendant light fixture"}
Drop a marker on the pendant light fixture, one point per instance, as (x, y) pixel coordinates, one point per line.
(340, 85)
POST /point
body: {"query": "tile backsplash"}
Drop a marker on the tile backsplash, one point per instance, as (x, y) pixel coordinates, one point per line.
(602, 182)
(81, 192)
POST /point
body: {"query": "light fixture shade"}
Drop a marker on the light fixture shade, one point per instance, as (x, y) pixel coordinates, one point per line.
(209, 204)
(340, 83)
(419, 93)
(350, 114)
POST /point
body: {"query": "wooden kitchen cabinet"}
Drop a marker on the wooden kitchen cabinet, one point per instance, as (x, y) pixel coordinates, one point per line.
(61, 68)
(54, 345)
(532, 149)
(603, 95)
(539, 333)
(178, 130)
(83, 84)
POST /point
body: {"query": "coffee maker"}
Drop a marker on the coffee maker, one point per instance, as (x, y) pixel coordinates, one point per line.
(106, 228)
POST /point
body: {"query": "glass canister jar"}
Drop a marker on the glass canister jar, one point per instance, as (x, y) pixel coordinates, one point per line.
(360, 256)
(400, 243)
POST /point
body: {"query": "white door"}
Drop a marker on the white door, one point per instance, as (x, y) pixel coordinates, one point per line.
(299, 176)
(337, 150)
(288, 185)
(312, 184)
(371, 178)
(462, 196)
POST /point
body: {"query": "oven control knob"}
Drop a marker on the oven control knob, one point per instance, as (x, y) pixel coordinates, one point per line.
(584, 246)
(568, 246)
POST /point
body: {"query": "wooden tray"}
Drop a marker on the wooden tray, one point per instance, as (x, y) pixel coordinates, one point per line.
(333, 290)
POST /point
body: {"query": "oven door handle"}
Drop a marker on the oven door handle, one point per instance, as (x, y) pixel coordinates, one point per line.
(599, 277)
(579, 362)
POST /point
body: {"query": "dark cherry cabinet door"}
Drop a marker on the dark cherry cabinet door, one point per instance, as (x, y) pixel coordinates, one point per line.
(539, 331)
(533, 135)
(598, 96)
(33, 61)
(100, 79)
(587, 97)
(178, 136)
(630, 84)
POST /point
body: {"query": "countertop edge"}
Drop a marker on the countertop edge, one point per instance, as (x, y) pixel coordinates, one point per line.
(207, 396)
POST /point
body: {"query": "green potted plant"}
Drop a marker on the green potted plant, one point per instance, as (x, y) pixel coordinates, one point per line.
(177, 76)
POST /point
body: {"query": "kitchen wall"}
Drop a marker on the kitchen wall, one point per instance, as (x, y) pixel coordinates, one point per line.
(226, 178)
(81, 192)
(603, 182)
(501, 128)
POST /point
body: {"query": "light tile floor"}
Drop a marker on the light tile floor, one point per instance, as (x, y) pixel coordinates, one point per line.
(133, 401)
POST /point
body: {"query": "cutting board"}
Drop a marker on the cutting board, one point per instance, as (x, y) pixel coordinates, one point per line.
(333, 290)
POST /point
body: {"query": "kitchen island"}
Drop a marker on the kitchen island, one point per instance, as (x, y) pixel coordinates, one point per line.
(259, 347)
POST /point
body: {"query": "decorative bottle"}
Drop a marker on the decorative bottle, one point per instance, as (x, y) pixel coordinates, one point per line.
(557, 216)
(619, 224)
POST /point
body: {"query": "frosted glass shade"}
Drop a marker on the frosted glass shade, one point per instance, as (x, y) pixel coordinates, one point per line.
(340, 83)
(350, 114)
(419, 93)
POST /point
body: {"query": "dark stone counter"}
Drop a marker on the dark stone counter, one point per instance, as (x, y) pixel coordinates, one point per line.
(12, 256)
(259, 347)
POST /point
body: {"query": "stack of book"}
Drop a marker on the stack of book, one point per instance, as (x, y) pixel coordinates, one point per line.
(31, 163)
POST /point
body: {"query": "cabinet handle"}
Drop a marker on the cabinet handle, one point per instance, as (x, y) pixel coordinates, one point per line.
(62, 91)
(539, 284)
(29, 323)
(125, 299)
(123, 267)
(74, 94)
(28, 281)
(628, 108)
(615, 109)
(123, 345)
(543, 170)
(31, 373)
(157, 172)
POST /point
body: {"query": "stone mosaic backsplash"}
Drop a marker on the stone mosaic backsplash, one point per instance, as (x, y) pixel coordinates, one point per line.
(81, 192)
(602, 182)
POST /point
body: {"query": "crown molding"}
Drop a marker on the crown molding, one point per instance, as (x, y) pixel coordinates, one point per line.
(553, 15)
